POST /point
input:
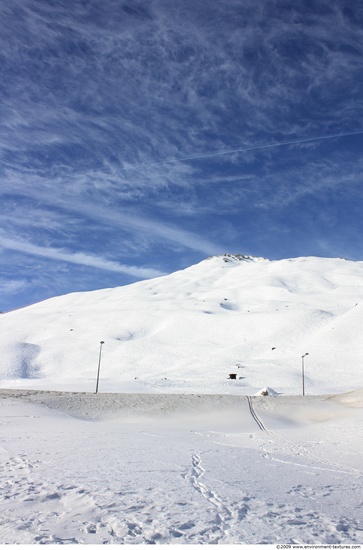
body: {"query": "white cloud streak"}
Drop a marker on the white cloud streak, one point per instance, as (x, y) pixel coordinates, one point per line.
(10, 286)
(104, 213)
(79, 258)
(242, 150)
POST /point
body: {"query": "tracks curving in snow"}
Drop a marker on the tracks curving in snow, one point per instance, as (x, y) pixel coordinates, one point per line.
(297, 449)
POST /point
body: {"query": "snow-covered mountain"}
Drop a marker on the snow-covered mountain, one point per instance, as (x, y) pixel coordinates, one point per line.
(188, 331)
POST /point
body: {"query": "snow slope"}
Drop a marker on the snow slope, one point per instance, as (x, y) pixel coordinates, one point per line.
(180, 468)
(186, 332)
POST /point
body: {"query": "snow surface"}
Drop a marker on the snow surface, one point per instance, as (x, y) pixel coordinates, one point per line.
(147, 468)
(172, 450)
(188, 331)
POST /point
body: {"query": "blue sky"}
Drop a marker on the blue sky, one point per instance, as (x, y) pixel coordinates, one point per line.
(140, 137)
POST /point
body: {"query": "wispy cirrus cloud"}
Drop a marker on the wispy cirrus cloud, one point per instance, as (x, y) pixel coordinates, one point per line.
(9, 286)
(130, 219)
(80, 258)
(175, 61)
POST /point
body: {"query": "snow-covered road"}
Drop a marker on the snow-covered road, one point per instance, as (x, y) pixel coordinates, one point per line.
(118, 468)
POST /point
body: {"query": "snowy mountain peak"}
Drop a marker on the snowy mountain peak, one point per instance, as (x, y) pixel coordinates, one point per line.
(189, 331)
(235, 258)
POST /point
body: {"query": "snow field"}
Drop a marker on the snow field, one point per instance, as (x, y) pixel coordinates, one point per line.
(180, 469)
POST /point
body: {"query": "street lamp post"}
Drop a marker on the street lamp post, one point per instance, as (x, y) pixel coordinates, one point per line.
(99, 366)
(303, 372)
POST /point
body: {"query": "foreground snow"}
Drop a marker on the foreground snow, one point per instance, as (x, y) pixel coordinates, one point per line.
(119, 468)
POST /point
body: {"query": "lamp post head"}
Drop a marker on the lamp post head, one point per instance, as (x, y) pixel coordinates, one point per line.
(102, 342)
(305, 354)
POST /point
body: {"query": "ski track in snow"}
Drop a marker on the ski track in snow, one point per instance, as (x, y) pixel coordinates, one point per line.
(74, 481)
(299, 449)
(254, 415)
